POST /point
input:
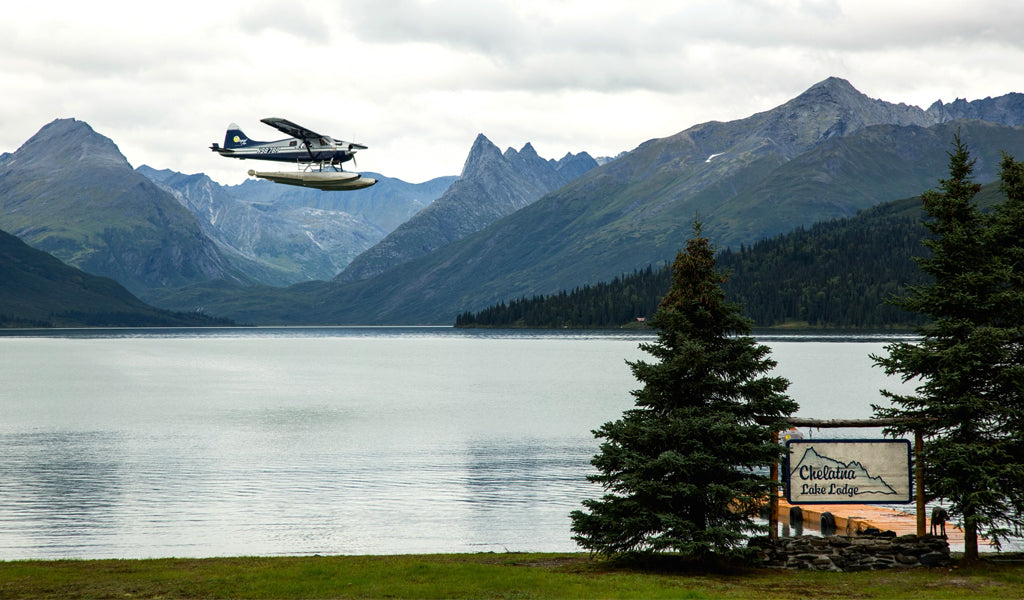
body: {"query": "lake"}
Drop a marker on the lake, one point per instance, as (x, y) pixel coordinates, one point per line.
(284, 441)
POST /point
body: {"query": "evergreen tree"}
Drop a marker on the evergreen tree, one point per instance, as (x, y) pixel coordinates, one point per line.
(687, 468)
(1007, 239)
(968, 360)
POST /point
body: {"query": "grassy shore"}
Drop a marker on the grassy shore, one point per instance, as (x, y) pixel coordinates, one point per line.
(480, 576)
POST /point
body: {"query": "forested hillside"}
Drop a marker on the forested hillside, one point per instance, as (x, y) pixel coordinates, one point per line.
(603, 305)
(835, 274)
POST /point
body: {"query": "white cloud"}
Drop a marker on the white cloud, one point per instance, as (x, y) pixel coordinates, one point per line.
(416, 80)
(303, 21)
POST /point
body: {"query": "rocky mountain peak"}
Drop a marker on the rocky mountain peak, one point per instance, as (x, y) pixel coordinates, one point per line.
(529, 165)
(64, 144)
(572, 165)
(1007, 110)
(482, 154)
(828, 109)
(835, 86)
(527, 151)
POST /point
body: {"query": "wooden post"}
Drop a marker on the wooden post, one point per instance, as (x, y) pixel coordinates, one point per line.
(919, 479)
(773, 518)
(773, 499)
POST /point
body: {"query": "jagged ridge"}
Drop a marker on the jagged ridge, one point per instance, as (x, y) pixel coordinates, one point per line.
(492, 185)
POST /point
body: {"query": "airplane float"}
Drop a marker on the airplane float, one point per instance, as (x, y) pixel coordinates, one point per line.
(318, 157)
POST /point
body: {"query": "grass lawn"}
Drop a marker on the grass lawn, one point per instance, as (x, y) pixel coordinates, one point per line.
(480, 576)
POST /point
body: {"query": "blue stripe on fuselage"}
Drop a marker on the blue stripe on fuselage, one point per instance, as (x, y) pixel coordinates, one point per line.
(238, 145)
(288, 154)
(287, 150)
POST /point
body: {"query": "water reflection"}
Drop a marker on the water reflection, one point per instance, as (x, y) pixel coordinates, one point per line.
(59, 488)
(531, 482)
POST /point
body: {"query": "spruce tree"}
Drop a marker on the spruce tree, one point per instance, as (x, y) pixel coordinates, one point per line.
(1007, 241)
(687, 468)
(969, 360)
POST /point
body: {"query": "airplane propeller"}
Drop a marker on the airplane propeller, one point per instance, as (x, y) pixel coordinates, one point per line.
(350, 146)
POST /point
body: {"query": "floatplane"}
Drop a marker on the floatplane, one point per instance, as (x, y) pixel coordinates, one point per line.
(318, 157)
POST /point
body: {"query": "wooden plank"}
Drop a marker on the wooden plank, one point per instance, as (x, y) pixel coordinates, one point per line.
(854, 518)
(832, 423)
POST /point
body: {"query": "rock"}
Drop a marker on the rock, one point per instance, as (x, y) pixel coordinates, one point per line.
(823, 563)
(840, 553)
(935, 559)
(881, 563)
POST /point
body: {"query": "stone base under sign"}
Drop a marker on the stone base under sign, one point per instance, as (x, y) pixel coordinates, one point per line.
(860, 553)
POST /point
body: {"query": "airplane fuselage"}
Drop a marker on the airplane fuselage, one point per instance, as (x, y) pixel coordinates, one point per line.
(290, 150)
(313, 148)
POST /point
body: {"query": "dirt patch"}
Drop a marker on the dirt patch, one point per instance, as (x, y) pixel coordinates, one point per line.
(554, 562)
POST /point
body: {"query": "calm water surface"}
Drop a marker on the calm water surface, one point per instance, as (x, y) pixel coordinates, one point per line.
(147, 443)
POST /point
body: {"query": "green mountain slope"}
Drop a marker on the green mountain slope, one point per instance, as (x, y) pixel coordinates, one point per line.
(844, 175)
(836, 274)
(70, 192)
(38, 290)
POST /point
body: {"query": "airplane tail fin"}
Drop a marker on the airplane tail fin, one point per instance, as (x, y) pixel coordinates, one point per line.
(234, 138)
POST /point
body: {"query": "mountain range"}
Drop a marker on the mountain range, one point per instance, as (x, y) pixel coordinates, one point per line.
(827, 153)
(296, 234)
(69, 191)
(492, 185)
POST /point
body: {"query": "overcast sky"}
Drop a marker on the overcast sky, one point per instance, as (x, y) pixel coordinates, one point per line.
(417, 80)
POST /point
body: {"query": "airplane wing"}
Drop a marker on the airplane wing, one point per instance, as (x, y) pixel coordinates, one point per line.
(289, 128)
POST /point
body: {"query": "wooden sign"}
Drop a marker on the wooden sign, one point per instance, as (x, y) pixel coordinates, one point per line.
(848, 472)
